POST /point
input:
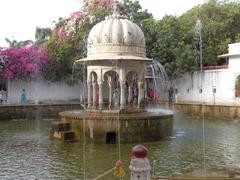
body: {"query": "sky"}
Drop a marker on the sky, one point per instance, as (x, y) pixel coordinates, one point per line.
(19, 18)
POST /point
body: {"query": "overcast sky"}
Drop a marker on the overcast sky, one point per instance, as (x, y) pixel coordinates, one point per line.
(19, 18)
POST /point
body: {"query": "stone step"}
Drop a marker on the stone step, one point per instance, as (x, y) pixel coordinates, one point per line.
(67, 136)
(61, 126)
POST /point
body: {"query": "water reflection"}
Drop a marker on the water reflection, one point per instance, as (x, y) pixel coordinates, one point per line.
(27, 151)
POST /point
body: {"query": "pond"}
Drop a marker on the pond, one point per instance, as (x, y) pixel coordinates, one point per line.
(26, 151)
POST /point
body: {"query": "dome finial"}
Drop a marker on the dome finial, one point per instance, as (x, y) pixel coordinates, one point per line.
(115, 8)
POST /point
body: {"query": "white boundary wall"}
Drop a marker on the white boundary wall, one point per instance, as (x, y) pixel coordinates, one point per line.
(43, 91)
(223, 80)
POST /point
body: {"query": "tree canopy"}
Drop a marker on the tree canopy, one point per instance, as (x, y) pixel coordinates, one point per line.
(220, 26)
(171, 40)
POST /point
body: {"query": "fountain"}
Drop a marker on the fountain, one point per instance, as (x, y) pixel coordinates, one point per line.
(157, 79)
(117, 69)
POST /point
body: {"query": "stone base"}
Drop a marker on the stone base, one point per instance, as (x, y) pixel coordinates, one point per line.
(62, 131)
(104, 125)
(115, 111)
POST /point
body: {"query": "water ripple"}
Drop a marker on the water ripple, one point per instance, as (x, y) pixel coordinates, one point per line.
(26, 151)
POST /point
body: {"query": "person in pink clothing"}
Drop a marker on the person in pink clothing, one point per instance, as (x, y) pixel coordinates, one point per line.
(151, 93)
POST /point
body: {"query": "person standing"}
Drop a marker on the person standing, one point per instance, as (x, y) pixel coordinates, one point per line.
(116, 98)
(151, 93)
(1, 96)
(4, 96)
(170, 94)
(23, 97)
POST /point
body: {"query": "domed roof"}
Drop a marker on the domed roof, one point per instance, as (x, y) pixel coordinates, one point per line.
(116, 38)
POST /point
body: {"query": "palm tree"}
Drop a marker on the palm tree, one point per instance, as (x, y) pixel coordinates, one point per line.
(25, 43)
(42, 35)
(11, 44)
(16, 44)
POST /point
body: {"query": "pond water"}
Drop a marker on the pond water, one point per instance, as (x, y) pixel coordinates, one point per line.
(26, 151)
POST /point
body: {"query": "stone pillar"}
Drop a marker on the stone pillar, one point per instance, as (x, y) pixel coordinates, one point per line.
(140, 94)
(139, 165)
(110, 93)
(89, 84)
(100, 94)
(94, 94)
(129, 94)
(123, 94)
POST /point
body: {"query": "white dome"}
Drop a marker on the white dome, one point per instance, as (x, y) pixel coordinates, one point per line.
(116, 38)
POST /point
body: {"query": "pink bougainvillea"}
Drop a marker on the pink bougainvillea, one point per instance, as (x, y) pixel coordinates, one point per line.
(106, 3)
(23, 63)
(67, 28)
(100, 3)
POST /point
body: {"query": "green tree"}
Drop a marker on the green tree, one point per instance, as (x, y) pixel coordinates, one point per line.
(133, 11)
(18, 44)
(68, 43)
(42, 35)
(171, 40)
(220, 26)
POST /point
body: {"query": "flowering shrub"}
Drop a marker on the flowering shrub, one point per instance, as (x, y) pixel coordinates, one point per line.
(23, 63)
(68, 42)
(92, 4)
(66, 29)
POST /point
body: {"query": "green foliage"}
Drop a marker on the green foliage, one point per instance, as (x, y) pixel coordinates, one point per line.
(42, 35)
(238, 37)
(171, 40)
(133, 11)
(18, 44)
(61, 57)
(175, 36)
(63, 52)
(220, 26)
(237, 87)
